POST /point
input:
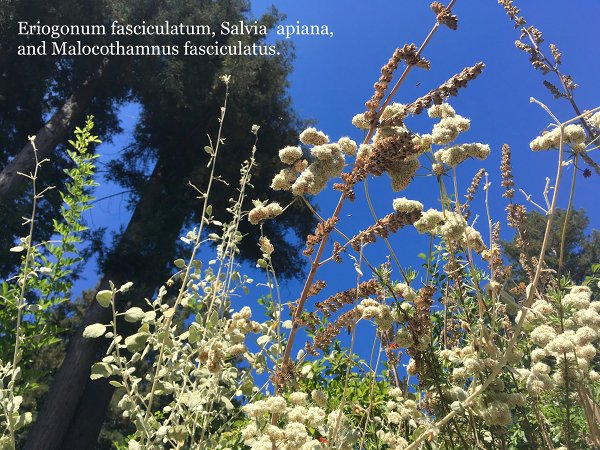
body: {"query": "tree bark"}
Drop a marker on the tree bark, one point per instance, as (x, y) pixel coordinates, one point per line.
(50, 135)
(75, 407)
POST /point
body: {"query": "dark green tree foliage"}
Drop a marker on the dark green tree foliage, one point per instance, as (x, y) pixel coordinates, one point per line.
(581, 249)
(181, 102)
(33, 89)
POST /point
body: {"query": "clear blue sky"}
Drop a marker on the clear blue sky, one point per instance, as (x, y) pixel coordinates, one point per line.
(333, 76)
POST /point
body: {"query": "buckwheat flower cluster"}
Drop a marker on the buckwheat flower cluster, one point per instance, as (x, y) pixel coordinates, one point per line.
(578, 298)
(451, 356)
(474, 240)
(299, 398)
(384, 319)
(401, 413)
(289, 155)
(405, 291)
(303, 177)
(258, 409)
(284, 180)
(539, 312)
(537, 380)
(390, 432)
(437, 168)
(393, 115)
(574, 137)
(329, 163)
(572, 347)
(429, 221)
(379, 312)
(453, 156)
(312, 136)
(404, 338)
(361, 122)
(405, 205)
(297, 418)
(449, 126)
(472, 363)
(422, 142)
(441, 111)
(237, 327)
(263, 211)
(497, 413)
(495, 407)
(452, 227)
(348, 146)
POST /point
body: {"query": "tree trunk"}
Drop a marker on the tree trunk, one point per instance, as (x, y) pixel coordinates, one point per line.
(75, 407)
(50, 135)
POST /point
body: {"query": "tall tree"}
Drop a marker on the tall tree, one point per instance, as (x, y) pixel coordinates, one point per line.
(580, 250)
(47, 95)
(180, 101)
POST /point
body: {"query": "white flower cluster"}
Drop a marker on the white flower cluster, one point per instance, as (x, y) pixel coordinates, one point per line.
(452, 227)
(312, 136)
(401, 412)
(453, 156)
(405, 291)
(446, 131)
(422, 142)
(574, 137)
(404, 205)
(394, 111)
(289, 155)
(297, 419)
(429, 221)
(495, 410)
(379, 312)
(449, 126)
(304, 178)
(348, 146)
(361, 122)
(441, 111)
(237, 327)
(575, 341)
(512, 400)
(466, 362)
(263, 211)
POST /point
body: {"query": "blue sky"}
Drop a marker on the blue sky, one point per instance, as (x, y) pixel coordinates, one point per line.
(333, 76)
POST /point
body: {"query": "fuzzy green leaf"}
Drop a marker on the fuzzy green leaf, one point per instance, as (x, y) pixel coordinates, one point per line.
(136, 342)
(94, 330)
(101, 370)
(104, 298)
(134, 314)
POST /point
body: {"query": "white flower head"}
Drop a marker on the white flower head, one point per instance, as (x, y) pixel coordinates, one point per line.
(312, 136)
